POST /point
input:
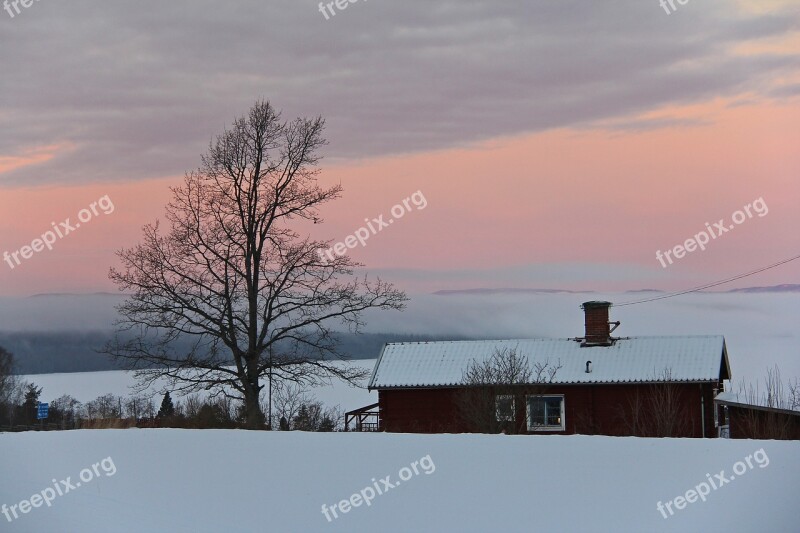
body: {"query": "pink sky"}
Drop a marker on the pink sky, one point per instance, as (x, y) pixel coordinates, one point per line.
(578, 209)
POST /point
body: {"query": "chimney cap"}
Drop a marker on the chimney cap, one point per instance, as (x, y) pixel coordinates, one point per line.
(595, 304)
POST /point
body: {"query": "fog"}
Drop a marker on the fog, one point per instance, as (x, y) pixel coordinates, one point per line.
(761, 330)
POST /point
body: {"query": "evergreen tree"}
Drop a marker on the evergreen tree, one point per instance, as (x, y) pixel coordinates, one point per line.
(327, 424)
(167, 408)
(312, 417)
(302, 421)
(30, 407)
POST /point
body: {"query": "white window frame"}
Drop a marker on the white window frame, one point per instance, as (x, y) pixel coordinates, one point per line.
(561, 427)
(508, 418)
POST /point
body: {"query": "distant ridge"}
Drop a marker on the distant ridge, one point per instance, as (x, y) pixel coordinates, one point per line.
(47, 352)
(787, 287)
(454, 292)
(65, 294)
(783, 288)
(642, 290)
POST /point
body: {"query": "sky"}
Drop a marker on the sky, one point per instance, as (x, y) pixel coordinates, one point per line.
(556, 144)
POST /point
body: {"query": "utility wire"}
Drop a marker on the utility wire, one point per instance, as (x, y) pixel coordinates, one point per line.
(708, 286)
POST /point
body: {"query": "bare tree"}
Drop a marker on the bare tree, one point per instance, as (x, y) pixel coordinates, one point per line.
(657, 411)
(315, 417)
(139, 406)
(793, 400)
(68, 409)
(105, 406)
(233, 275)
(192, 405)
(769, 424)
(494, 390)
(288, 398)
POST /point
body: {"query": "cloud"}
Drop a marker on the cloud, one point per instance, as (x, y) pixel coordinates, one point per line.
(790, 90)
(139, 88)
(550, 276)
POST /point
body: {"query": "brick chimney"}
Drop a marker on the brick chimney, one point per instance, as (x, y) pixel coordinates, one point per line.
(598, 327)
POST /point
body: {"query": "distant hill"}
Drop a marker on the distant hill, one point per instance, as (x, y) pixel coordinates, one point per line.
(42, 352)
(488, 291)
(506, 291)
(70, 351)
(639, 291)
(773, 288)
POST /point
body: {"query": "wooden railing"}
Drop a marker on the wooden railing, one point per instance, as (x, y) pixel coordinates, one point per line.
(366, 418)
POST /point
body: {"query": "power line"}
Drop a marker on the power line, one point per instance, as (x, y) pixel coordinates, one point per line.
(708, 286)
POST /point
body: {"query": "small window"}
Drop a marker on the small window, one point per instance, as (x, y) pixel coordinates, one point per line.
(504, 406)
(546, 413)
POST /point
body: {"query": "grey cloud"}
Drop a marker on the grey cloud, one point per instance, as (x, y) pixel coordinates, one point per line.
(786, 91)
(140, 87)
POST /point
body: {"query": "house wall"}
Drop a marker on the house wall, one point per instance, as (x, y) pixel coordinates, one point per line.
(759, 424)
(419, 411)
(589, 409)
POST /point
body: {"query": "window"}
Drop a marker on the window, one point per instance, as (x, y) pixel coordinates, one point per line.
(546, 413)
(504, 407)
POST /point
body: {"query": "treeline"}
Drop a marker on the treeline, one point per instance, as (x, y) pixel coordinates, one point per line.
(294, 408)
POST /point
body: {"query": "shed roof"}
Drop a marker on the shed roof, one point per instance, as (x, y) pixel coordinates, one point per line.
(759, 402)
(627, 360)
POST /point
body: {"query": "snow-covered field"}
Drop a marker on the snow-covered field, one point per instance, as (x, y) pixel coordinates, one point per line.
(225, 481)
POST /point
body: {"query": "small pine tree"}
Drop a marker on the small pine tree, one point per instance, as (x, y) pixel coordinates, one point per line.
(167, 408)
(327, 424)
(30, 406)
(302, 421)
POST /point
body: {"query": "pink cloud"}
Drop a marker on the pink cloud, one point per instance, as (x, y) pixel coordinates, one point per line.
(561, 197)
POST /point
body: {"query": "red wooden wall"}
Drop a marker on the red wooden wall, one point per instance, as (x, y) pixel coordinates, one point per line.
(589, 409)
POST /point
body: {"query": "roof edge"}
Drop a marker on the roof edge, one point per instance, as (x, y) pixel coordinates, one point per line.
(547, 385)
(756, 407)
(375, 368)
(554, 339)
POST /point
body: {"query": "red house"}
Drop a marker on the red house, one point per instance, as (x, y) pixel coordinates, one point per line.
(595, 384)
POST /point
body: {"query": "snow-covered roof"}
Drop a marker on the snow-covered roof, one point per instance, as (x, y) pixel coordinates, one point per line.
(755, 401)
(628, 360)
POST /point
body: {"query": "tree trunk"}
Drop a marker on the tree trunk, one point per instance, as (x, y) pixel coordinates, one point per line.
(254, 417)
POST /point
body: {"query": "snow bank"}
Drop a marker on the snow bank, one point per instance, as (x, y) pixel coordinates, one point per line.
(183, 480)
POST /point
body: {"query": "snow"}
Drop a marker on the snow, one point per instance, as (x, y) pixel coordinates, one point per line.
(630, 359)
(227, 480)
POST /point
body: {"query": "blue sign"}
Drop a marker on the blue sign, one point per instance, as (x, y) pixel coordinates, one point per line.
(44, 409)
